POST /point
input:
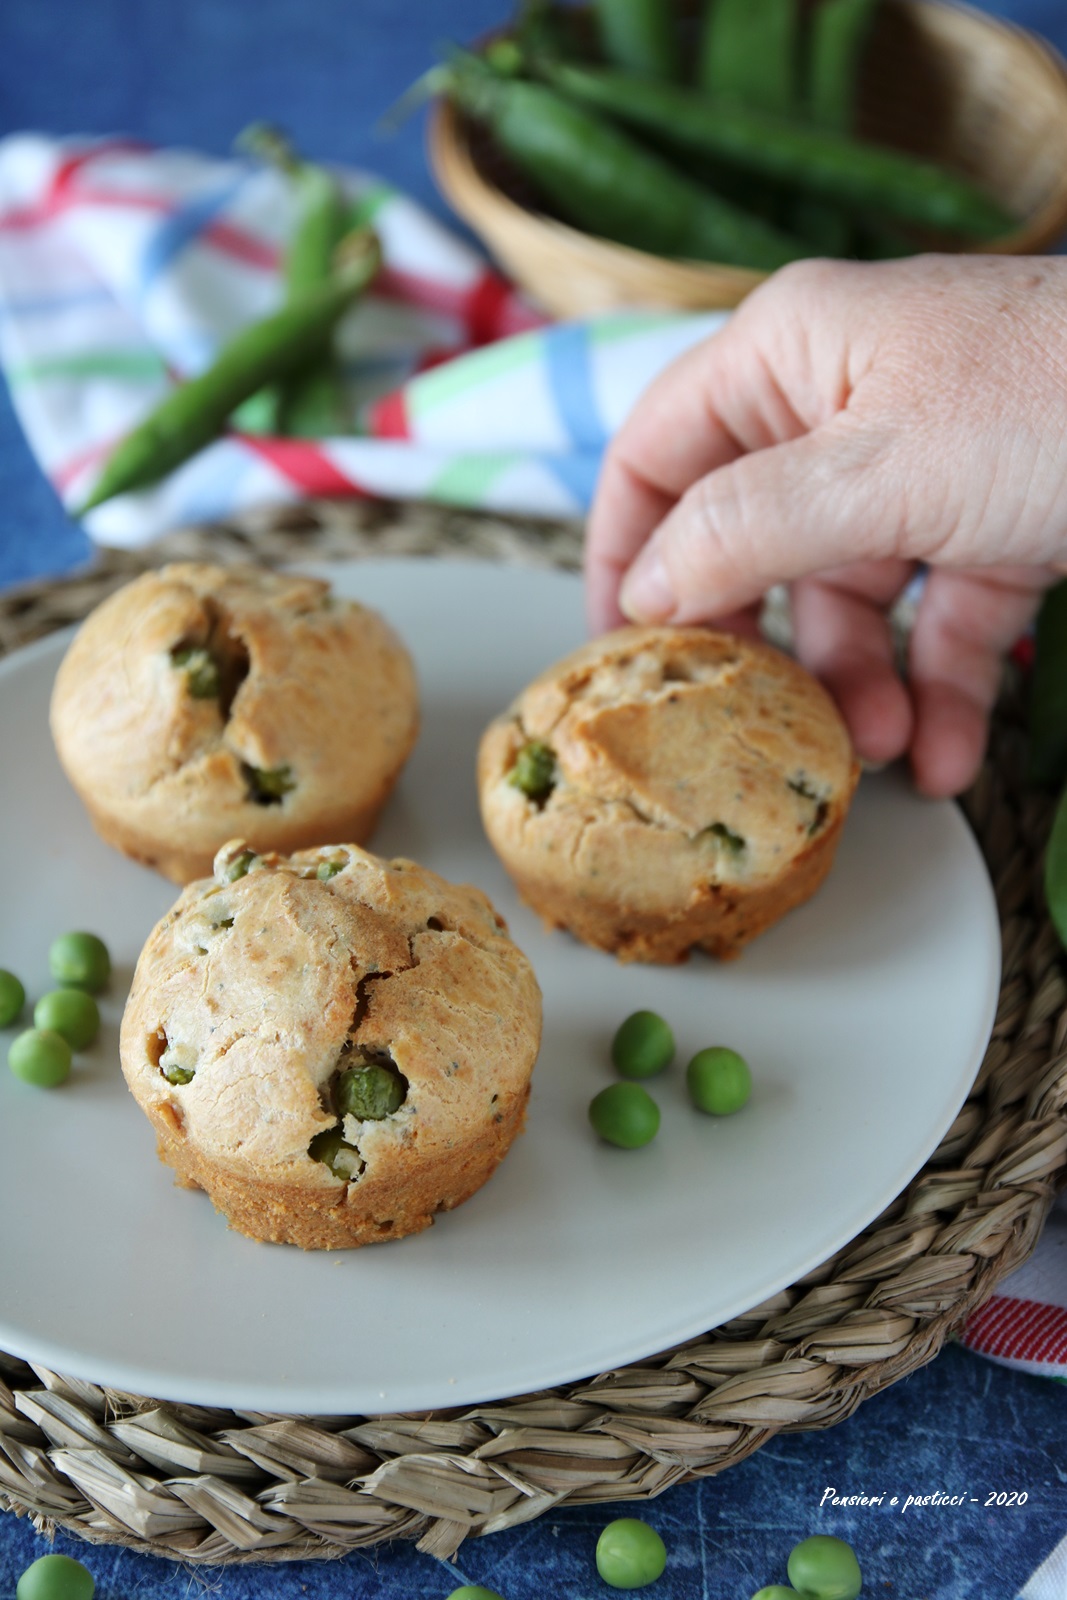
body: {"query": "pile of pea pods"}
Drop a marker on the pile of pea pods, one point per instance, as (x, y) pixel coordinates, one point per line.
(725, 137)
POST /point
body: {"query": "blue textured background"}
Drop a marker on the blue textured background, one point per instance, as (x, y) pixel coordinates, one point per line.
(194, 73)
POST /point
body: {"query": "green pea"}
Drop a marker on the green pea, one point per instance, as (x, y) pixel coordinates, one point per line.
(718, 1081)
(80, 961)
(268, 786)
(643, 1045)
(239, 866)
(40, 1057)
(177, 1075)
(731, 842)
(201, 672)
(328, 869)
(371, 1090)
(625, 1114)
(534, 771)
(774, 1591)
(629, 1553)
(474, 1591)
(12, 998)
(825, 1568)
(332, 1149)
(71, 1013)
(55, 1577)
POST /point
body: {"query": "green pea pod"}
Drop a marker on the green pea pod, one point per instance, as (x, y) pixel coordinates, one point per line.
(321, 226)
(196, 413)
(1048, 693)
(824, 227)
(640, 36)
(601, 180)
(879, 242)
(260, 414)
(868, 177)
(839, 31)
(750, 53)
(543, 28)
(748, 56)
(1056, 870)
(321, 206)
(311, 403)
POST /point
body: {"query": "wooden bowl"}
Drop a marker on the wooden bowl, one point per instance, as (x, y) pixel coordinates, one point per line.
(940, 80)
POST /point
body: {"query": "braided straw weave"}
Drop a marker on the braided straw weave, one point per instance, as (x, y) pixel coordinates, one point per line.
(207, 1485)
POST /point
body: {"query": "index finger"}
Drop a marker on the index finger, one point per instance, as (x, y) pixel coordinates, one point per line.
(666, 443)
(713, 404)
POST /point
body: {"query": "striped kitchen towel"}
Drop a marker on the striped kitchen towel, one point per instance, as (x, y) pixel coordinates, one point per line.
(123, 269)
(1024, 1325)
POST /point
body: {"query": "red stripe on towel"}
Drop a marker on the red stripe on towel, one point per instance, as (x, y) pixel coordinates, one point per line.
(1018, 1330)
(389, 417)
(303, 463)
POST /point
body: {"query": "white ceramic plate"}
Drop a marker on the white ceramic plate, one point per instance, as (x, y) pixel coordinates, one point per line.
(864, 1015)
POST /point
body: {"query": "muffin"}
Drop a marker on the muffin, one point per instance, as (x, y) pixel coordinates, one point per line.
(202, 702)
(333, 1046)
(665, 788)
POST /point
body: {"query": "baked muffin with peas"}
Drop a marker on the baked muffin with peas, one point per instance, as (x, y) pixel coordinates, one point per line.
(335, 1047)
(200, 702)
(664, 788)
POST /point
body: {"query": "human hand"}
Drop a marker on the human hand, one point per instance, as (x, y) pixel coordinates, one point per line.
(848, 422)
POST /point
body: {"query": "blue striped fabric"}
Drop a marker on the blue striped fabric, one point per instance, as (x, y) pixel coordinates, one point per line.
(570, 379)
(577, 473)
(180, 229)
(47, 305)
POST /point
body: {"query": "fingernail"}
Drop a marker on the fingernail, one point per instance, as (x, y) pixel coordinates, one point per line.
(647, 595)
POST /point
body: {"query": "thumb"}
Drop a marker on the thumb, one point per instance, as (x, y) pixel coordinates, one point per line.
(775, 515)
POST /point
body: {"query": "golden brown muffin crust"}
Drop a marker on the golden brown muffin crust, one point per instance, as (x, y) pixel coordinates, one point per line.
(316, 693)
(699, 786)
(251, 997)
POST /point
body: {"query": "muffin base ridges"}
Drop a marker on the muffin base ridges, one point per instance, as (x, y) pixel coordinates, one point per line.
(719, 919)
(184, 864)
(369, 1211)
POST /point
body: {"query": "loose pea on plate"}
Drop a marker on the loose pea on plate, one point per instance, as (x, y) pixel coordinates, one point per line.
(624, 1114)
(12, 997)
(718, 1081)
(71, 1013)
(80, 961)
(642, 1046)
(40, 1057)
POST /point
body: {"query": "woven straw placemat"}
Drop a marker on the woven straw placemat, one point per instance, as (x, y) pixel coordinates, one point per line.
(208, 1485)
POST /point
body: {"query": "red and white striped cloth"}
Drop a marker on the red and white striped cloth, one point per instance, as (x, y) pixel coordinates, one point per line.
(1024, 1325)
(123, 270)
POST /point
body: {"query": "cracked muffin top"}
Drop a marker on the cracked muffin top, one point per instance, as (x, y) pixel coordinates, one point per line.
(656, 759)
(719, 740)
(199, 702)
(325, 1025)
